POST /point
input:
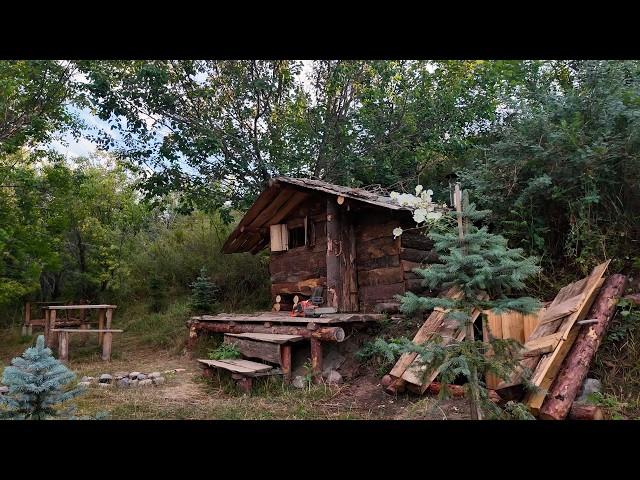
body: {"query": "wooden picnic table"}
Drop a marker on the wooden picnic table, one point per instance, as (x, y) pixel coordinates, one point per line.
(105, 315)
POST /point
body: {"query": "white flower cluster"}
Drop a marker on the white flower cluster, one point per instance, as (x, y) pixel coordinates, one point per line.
(424, 208)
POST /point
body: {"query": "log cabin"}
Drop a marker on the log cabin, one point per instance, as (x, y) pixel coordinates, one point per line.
(339, 238)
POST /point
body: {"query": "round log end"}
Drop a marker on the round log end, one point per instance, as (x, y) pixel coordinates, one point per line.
(339, 336)
(386, 381)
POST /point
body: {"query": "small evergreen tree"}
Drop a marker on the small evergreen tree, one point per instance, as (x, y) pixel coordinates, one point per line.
(36, 382)
(479, 264)
(204, 292)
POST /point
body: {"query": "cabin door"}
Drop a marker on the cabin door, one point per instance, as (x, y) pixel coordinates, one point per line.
(342, 279)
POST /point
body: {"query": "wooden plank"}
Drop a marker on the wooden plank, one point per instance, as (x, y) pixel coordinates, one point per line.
(251, 348)
(541, 345)
(78, 307)
(512, 326)
(431, 325)
(268, 337)
(530, 322)
(258, 367)
(493, 327)
(587, 287)
(86, 330)
(231, 366)
(277, 317)
(562, 309)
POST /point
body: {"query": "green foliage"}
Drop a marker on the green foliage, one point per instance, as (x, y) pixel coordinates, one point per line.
(225, 351)
(37, 382)
(157, 295)
(204, 292)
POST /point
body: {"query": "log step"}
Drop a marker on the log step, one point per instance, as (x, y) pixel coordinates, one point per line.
(244, 367)
(267, 337)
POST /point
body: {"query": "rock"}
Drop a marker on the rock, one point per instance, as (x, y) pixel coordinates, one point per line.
(154, 375)
(124, 382)
(133, 383)
(105, 378)
(158, 380)
(169, 371)
(332, 359)
(4, 390)
(85, 384)
(590, 385)
(334, 377)
(105, 385)
(145, 382)
(299, 382)
(134, 375)
(87, 379)
(120, 375)
(142, 376)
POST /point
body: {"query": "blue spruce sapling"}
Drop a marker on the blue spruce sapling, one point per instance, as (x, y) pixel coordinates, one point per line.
(37, 385)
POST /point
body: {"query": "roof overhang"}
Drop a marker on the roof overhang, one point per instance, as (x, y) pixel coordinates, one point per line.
(282, 196)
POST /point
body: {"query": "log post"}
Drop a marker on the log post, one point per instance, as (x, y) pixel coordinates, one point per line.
(334, 285)
(285, 361)
(52, 324)
(63, 346)
(243, 383)
(26, 328)
(193, 337)
(316, 360)
(101, 315)
(575, 367)
(106, 346)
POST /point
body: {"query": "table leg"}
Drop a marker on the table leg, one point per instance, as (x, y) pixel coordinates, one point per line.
(316, 360)
(106, 346)
(63, 346)
(100, 325)
(52, 324)
(285, 361)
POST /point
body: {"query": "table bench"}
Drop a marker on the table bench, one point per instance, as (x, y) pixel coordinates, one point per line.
(242, 371)
(63, 340)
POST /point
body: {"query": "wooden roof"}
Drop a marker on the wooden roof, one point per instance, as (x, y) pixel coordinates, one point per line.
(280, 198)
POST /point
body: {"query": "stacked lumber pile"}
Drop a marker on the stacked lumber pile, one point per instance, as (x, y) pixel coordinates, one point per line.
(559, 341)
(410, 372)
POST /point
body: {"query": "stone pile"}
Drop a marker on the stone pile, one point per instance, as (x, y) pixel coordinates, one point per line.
(127, 379)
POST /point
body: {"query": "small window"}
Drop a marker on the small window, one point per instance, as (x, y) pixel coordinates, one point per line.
(296, 237)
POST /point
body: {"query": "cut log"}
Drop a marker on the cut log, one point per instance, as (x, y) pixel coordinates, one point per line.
(576, 365)
(582, 411)
(415, 285)
(419, 256)
(416, 240)
(380, 276)
(326, 334)
(378, 262)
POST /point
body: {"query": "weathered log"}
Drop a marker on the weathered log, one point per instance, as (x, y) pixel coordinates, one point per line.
(415, 285)
(582, 411)
(316, 360)
(419, 256)
(326, 334)
(334, 285)
(378, 247)
(381, 293)
(378, 262)
(454, 390)
(255, 348)
(576, 365)
(380, 276)
(416, 240)
(305, 286)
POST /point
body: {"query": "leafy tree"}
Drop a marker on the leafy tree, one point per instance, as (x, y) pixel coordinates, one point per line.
(33, 96)
(561, 175)
(37, 382)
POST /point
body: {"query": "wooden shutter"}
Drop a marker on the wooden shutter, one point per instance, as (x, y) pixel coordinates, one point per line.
(279, 237)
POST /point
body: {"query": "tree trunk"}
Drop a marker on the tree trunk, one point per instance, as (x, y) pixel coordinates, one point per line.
(581, 411)
(576, 365)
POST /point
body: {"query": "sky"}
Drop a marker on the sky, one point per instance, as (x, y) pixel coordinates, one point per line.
(82, 146)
